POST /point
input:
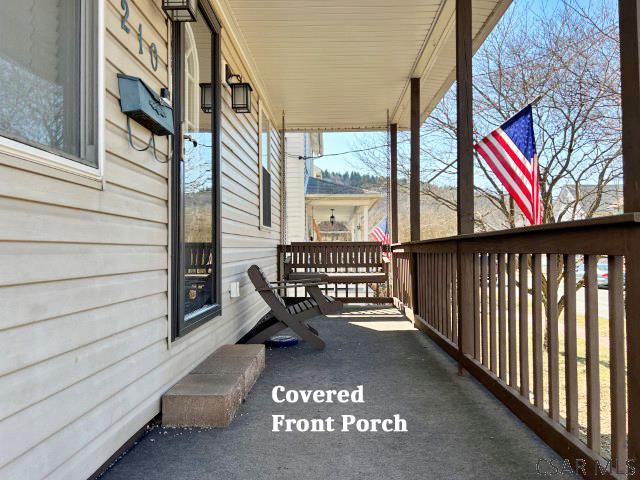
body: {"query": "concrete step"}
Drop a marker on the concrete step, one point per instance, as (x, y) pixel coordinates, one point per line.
(210, 395)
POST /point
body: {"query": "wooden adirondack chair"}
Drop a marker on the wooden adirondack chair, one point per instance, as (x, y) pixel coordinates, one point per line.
(292, 316)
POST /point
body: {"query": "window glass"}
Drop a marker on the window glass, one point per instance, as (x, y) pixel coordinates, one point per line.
(265, 156)
(198, 172)
(264, 143)
(41, 90)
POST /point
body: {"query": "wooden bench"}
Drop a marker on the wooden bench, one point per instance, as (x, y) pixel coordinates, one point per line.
(336, 262)
(353, 272)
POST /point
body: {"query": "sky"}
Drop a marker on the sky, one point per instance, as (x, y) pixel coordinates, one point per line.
(342, 142)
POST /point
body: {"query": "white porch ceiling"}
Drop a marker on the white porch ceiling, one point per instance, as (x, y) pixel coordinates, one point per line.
(341, 64)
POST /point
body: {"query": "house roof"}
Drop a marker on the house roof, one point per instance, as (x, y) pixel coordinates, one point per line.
(342, 64)
(318, 186)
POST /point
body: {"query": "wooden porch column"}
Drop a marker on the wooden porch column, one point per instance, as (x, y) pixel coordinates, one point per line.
(629, 11)
(464, 55)
(414, 181)
(630, 79)
(393, 145)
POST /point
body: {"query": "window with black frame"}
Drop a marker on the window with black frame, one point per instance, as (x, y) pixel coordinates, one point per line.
(48, 74)
(195, 170)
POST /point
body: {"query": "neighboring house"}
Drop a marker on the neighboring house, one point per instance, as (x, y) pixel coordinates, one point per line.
(300, 149)
(579, 202)
(348, 205)
(117, 262)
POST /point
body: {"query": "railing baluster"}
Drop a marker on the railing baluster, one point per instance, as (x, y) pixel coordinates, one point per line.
(502, 319)
(511, 286)
(570, 348)
(421, 265)
(447, 294)
(552, 336)
(454, 299)
(538, 389)
(484, 266)
(429, 311)
(593, 355)
(617, 364)
(523, 318)
(426, 311)
(439, 283)
(493, 354)
(432, 289)
(476, 306)
(436, 291)
(423, 281)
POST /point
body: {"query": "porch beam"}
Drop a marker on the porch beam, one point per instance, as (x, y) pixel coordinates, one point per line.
(393, 146)
(629, 14)
(465, 261)
(414, 181)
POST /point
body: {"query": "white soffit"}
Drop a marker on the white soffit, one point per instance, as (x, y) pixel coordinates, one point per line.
(341, 64)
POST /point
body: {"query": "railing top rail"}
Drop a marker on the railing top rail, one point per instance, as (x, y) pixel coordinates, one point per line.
(626, 219)
(328, 244)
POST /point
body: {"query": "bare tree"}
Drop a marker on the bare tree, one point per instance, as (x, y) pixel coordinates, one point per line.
(565, 58)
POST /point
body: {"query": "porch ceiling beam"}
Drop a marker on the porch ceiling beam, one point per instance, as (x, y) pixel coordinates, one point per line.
(414, 181)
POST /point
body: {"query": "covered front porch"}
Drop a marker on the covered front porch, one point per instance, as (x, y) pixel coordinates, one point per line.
(456, 429)
(567, 369)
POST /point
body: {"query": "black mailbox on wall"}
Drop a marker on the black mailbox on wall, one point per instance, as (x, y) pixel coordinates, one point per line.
(143, 105)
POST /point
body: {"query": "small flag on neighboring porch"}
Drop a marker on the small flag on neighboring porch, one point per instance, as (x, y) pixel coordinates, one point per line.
(381, 233)
(510, 151)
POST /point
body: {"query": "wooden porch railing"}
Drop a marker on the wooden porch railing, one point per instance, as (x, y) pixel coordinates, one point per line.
(355, 272)
(507, 306)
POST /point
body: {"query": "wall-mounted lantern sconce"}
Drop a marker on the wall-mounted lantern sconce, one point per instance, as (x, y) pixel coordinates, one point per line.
(206, 97)
(180, 10)
(332, 218)
(240, 92)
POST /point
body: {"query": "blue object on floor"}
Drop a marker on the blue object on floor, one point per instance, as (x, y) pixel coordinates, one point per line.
(281, 341)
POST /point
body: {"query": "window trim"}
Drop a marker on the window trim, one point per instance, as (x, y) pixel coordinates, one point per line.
(45, 160)
(179, 326)
(263, 113)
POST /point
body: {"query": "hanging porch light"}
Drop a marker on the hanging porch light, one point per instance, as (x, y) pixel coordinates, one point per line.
(206, 97)
(332, 218)
(180, 10)
(240, 92)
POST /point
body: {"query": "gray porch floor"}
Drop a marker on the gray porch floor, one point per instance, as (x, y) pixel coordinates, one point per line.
(455, 428)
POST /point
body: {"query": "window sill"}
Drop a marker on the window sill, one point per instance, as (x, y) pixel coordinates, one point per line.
(32, 159)
(199, 321)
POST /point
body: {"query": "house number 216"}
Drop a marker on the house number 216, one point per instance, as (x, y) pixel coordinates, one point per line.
(153, 49)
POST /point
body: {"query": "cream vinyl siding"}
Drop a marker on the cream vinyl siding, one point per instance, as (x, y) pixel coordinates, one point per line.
(295, 145)
(83, 283)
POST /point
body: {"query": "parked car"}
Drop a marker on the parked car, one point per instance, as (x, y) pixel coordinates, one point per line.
(602, 274)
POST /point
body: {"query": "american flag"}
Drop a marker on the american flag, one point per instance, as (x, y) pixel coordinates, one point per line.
(510, 151)
(381, 233)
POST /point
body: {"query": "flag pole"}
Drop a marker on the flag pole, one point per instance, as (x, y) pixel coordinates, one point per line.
(535, 101)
